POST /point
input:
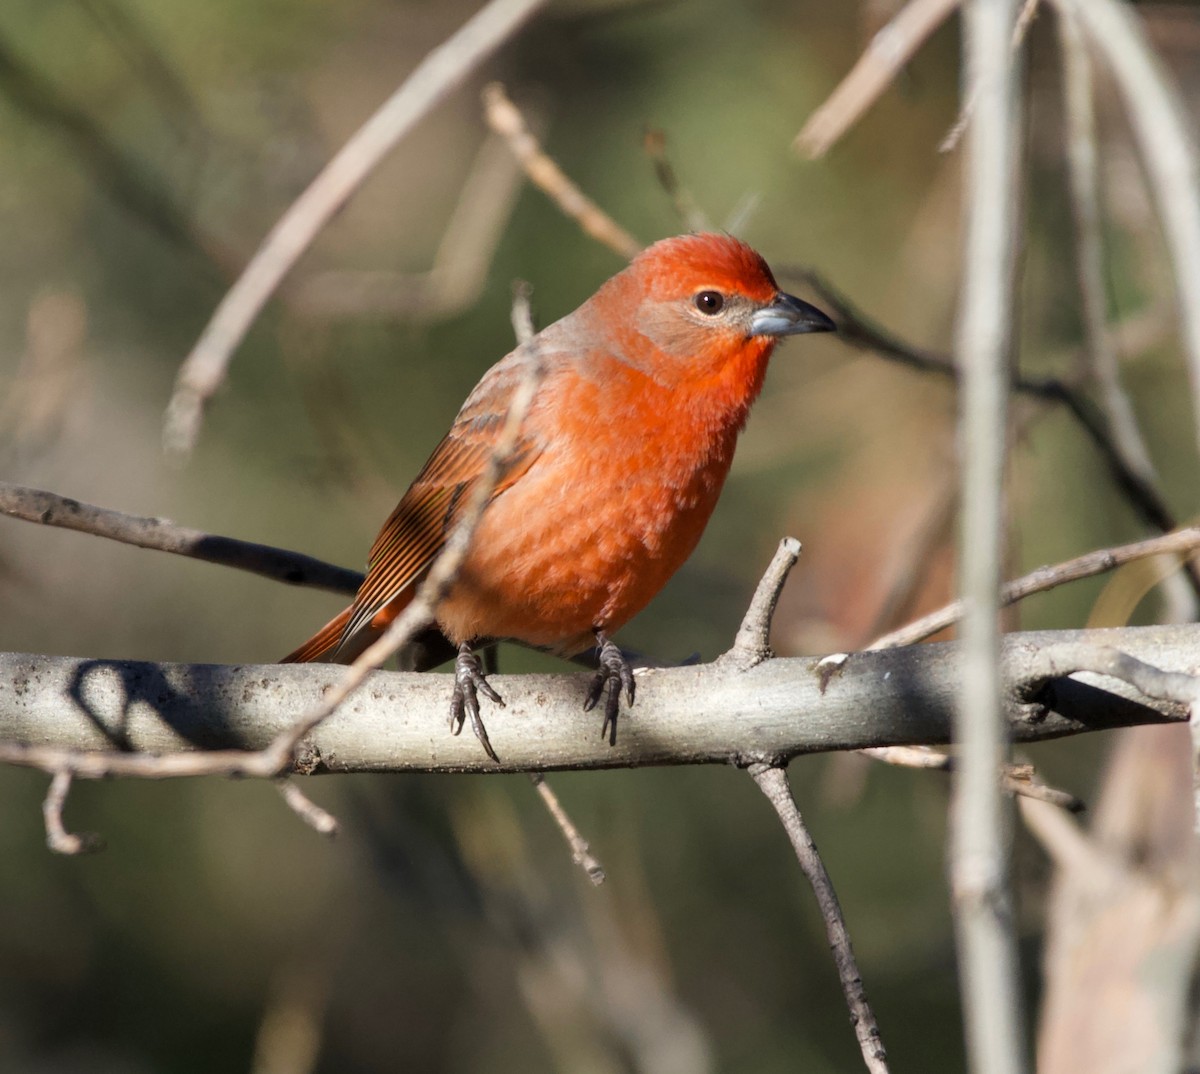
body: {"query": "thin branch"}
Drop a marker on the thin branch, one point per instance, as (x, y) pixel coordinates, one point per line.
(1181, 543)
(1083, 176)
(1017, 779)
(753, 642)
(435, 76)
(890, 49)
(581, 853)
(99, 718)
(773, 782)
(982, 899)
(58, 839)
(1163, 129)
(318, 819)
(162, 535)
(506, 120)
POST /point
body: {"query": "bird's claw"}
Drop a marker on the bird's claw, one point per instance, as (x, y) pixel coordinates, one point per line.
(469, 683)
(614, 675)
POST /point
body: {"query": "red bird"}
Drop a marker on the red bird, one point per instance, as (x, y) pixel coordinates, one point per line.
(617, 468)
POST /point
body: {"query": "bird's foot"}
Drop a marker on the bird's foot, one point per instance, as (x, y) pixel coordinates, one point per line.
(469, 683)
(614, 675)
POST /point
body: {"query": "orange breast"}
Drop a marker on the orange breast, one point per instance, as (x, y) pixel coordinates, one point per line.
(628, 478)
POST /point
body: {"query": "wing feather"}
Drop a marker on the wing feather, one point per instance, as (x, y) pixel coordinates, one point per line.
(416, 530)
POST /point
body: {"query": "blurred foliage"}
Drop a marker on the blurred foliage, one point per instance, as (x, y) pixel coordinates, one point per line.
(147, 149)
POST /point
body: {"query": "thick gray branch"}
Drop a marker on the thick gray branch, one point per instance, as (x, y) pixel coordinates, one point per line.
(691, 715)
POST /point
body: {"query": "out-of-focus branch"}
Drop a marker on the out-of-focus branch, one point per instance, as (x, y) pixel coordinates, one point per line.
(1082, 174)
(1164, 133)
(1123, 920)
(1101, 354)
(1181, 543)
(50, 509)
(58, 839)
(890, 49)
(979, 882)
(506, 120)
(435, 76)
(1019, 779)
(773, 782)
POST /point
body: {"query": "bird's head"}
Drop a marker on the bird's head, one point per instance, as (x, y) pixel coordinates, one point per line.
(704, 301)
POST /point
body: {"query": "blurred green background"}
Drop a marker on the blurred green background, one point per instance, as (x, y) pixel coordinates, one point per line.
(145, 150)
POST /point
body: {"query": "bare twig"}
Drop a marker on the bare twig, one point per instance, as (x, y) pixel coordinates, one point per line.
(1162, 126)
(50, 509)
(318, 819)
(979, 829)
(505, 119)
(581, 853)
(773, 782)
(58, 838)
(890, 49)
(1181, 543)
(1018, 779)
(753, 642)
(438, 73)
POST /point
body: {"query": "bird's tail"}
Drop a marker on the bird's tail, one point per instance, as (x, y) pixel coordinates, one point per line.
(323, 642)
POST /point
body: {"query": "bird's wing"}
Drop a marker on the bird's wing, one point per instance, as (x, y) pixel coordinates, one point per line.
(417, 529)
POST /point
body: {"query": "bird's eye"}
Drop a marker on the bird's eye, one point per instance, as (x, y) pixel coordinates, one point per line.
(709, 302)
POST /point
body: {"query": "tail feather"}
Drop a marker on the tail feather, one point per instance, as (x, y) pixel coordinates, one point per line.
(323, 642)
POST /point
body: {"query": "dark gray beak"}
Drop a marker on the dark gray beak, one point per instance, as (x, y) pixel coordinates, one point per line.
(786, 315)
